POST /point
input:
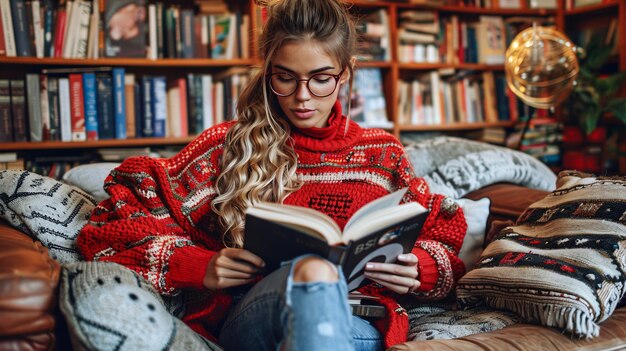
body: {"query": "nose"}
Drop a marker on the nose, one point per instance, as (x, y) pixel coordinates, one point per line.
(302, 91)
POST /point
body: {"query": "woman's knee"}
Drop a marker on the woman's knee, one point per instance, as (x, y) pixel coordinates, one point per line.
(315, 269)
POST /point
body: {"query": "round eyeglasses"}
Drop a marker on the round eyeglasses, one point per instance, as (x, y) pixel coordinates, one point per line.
(320, 84)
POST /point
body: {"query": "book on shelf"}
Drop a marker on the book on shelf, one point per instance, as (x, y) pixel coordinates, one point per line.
(379, 231)
(125, 27)
(6, 123)
(368, 104)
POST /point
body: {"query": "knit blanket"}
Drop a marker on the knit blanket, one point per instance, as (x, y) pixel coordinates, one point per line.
(455, 166)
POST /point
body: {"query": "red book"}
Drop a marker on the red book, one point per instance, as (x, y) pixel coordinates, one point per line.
(77, 107)
(184, 125)
(59, 31)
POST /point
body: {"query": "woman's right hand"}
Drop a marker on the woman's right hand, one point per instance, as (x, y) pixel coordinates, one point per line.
(232, 267)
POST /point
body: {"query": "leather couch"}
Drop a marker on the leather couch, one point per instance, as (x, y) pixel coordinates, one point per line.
(30, 320)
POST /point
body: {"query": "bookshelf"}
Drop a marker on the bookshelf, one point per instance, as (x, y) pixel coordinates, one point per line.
(392, 68)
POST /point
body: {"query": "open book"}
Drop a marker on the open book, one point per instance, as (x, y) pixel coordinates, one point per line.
(379, 231)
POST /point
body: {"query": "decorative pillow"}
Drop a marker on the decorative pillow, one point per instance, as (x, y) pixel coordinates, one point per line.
(563, 264)
(46, 209)
(441, 321)
(476, 214)
(90, 177)
(455, 166)
(110, 307)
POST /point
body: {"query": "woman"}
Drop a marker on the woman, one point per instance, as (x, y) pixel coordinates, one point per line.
(179, 222)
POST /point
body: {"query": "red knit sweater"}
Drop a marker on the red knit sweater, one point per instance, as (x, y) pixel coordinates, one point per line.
(158, 220)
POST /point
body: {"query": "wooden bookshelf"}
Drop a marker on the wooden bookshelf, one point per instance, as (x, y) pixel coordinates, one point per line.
(124, 62)
(455, 126)
(60, 145)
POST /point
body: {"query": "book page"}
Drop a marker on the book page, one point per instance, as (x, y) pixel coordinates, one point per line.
(382, 218)
(390, 200)
(307, 220)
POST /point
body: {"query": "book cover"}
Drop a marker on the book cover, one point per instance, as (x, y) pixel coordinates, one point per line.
(125, 26)
(7, 28)
(106, 119)
(53, 107)
(380, 231)
(91, 108)
(20, 28)
(6, 123)
(147, 120)
(159, 105)
(119, 102)
(65, 113)
(77, 107)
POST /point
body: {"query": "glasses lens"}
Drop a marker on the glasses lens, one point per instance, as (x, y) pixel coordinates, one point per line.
(322, 84)
(283, 83)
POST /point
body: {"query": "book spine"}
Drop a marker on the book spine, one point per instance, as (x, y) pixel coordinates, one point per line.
(184, 125)
(65, 110)
(7, 26)
(59, 37)
(37, 27)
(20, 28)
(170, 33)
(147, 125)
(106, 123)
(6, 123)
(159, 102)
(119, 103)
(207, 101)
(138, 110)
(18, 110)
(33, 96)
(48, 29)
(82, 36)
(91, 109)
(45, 109)
(131, 116)
(187, 33)
(159, 29)
(53, 106)
(77, 107)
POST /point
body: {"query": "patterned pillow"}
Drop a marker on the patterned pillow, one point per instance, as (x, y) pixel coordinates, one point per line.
(46, 209)
(455, 166)
(563, 264)
(109, 307)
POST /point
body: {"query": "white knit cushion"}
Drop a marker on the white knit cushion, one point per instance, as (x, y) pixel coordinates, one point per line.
(46, 209)
(90, 177)
(455, 166)
(563, 264)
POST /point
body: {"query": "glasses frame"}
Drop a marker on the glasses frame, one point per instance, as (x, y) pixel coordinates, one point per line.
(308, 80)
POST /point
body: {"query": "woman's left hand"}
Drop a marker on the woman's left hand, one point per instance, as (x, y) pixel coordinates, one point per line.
(400, 277)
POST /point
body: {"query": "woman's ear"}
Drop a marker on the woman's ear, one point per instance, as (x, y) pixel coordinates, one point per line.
(346, 73)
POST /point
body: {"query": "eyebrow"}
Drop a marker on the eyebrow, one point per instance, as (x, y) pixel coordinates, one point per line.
(317, 70)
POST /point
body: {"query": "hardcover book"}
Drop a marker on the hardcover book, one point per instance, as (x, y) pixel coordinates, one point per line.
(379, 231)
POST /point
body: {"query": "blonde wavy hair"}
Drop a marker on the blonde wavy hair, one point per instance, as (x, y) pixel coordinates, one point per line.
(259, 163)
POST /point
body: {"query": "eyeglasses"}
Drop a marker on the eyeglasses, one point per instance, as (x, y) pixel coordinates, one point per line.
(320, 84)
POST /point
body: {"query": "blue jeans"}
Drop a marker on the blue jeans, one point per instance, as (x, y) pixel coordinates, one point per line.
(278, 312)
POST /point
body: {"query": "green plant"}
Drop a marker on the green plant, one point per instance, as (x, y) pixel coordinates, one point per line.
(596, 94)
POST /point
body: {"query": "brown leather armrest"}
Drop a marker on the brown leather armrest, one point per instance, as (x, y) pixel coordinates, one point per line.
(508, 201)
(28, 291)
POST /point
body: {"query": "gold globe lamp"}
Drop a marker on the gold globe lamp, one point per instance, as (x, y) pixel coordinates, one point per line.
(541, 66)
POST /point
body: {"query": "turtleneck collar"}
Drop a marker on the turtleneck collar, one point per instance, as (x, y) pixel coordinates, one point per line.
(330, 137)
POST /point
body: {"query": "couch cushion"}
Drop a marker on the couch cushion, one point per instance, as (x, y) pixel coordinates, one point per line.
(526, 337)
(563, 264)
(455, 166)
(28, 282)
(508, 201)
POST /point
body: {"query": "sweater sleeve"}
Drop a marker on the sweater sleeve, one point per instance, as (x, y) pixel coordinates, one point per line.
(437, 247)
(158, 219)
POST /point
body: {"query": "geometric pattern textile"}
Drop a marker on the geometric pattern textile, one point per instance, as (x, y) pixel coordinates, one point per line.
(444, 321)
(563, 264)
(46, 209)
(109, 307)
(455, 166)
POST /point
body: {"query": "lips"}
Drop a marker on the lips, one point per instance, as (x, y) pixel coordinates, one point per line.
(303, 113)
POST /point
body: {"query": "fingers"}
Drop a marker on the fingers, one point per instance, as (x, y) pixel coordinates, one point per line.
(400, 277)
(401, 285)
(244, 255)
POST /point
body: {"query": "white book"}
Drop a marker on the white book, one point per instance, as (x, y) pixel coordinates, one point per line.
(45, 109)
(64, 109)
(93, 50)
(70, 29)
(7, 26)
(207, 101)
(152, 52)
(435, 86)
(81, 39)
(8, 156)
(38, 28)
